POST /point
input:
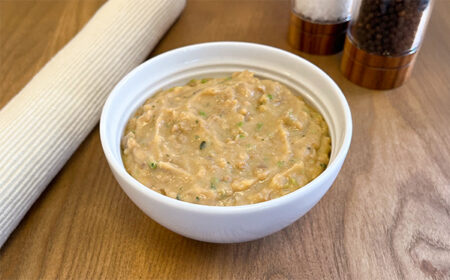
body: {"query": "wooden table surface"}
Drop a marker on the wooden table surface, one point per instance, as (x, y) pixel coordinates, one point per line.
(387, 216)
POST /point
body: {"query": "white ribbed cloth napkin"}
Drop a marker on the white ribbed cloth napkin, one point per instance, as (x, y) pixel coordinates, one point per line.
(47, 120)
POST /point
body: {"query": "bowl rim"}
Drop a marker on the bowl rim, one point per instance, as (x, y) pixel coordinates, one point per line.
(334, 166)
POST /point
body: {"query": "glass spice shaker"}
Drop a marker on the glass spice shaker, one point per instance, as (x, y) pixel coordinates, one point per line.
(383, 40)
(319, 26)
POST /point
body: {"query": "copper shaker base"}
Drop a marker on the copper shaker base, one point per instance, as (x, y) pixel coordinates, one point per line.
(375, 71)
(316, 38)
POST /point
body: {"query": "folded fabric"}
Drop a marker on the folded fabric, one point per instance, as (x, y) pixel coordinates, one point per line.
(47, 120)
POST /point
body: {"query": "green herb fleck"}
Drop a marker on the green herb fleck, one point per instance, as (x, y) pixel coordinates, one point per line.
(241, 135)
(214, 183)
(259, 126)
(196, 121)
(227, 78)
(270, 96)
(280, 163)
(178, 197)
(202, 145)
(197, 137)
(323, 165)
(292, 181)
(204, 81)
(197, 198)
(201, 113)
(240, 124)
(152, 165)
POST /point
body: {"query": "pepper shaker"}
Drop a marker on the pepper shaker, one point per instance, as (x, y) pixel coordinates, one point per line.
(319, 26)
(383, 40)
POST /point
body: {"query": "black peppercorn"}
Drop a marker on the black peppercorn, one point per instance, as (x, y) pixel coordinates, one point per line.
(387, 27)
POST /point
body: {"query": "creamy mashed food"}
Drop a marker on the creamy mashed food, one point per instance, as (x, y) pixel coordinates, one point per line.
(227, 141)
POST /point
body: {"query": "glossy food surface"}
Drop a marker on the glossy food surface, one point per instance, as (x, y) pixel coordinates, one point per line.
(226, 141)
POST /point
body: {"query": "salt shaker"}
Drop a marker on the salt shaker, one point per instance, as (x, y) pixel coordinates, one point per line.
(383, 40)
(319, 26)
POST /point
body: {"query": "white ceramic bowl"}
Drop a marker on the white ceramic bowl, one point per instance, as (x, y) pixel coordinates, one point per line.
(177, 67)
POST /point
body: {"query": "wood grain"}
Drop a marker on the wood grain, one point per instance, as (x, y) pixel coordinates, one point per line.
(387, 216)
